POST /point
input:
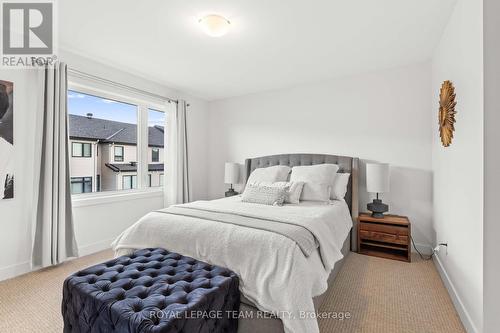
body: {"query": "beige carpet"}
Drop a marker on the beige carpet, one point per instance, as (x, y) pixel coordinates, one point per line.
(379, 295)
(390, 296)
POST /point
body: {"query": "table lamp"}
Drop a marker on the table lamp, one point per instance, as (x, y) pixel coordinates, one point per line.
(231, 176)
(377, 181)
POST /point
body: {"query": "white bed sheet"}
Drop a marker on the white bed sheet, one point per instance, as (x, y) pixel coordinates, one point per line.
(274, 273)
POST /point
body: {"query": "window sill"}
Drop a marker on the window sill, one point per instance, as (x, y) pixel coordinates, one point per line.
(102, 198)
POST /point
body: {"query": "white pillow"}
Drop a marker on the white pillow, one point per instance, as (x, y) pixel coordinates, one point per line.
(316, 192)
(339, 187)
(293, 194)
(266, 194)
(277, 173)
(318, 180)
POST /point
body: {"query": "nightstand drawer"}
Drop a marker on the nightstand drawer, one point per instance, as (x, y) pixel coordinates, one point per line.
(383, 237)
(386, 237)
(389, 229)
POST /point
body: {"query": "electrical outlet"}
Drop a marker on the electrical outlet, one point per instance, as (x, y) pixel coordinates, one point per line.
(438, 247)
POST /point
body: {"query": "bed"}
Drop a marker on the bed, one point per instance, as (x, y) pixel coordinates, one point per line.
(286, 257)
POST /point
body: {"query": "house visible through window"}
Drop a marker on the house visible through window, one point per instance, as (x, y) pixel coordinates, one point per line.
(103, 128)
(101, 122)
(155, 155)
(80, 149)
(129, 182)
(118, 153)
(81, 185)
(156, 129)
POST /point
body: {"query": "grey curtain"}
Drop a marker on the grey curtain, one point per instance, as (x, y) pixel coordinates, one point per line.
(177, 187)
(54, 238)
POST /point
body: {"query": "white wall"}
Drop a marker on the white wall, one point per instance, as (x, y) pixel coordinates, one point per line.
(95, 225)
(458, 169)
(491, 167)
(15, 214)
(98, 224)
(382, 116)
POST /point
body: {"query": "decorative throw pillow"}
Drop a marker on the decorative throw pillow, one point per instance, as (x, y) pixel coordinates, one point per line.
(277, 173)
(318, 180)
(293, 194)
(339, 187)
(266, 194)
(316, 192)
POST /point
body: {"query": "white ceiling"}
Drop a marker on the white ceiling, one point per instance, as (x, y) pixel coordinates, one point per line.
(272, 43)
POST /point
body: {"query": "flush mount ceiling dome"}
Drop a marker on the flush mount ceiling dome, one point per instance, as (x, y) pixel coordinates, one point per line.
(215, 25)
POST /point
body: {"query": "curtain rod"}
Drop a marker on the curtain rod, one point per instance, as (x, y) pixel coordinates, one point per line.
(120, 85)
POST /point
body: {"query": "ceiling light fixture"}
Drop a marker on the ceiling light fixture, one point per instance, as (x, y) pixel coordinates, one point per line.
(215, 25)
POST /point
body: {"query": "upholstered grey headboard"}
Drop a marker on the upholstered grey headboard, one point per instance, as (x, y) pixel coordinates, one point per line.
(345, 163)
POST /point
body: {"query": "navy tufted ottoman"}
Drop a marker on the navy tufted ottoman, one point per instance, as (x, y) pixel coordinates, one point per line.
(151, 290)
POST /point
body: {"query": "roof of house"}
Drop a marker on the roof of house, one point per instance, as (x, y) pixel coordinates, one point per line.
(132, 167)
(81, 127)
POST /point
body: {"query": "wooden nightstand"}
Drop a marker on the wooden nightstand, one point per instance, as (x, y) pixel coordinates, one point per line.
(388, 237)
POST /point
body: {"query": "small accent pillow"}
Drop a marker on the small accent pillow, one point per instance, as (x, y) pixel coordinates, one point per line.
(293, 194)
(318, 180)
(277, 173)
(339, 187)
(316, 192)
(266, 194)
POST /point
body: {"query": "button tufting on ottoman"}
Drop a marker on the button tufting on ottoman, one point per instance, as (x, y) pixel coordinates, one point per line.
(151, 290)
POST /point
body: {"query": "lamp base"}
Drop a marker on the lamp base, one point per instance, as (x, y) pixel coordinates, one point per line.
(230, 193)
(377, 208)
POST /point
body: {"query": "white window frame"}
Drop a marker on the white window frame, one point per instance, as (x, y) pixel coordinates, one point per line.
(143, 103)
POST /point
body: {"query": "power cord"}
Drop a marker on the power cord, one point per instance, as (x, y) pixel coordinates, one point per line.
(420, 254)
(433, 250)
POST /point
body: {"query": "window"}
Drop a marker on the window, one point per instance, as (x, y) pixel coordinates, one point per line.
(129, 182)
(104, 127)
(155, 155)
(156, 133)
(108, 124)
(80, 149)
(81, 185)
(118, 153)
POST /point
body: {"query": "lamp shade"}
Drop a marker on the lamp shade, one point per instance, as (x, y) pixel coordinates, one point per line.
(377, 177)
(231, 173)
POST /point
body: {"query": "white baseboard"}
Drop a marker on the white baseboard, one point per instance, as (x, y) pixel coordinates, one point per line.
(457, 302)
(95, 247)
(11, 271)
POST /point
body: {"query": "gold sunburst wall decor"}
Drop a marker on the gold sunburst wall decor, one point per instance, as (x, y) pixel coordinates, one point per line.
(447, 112)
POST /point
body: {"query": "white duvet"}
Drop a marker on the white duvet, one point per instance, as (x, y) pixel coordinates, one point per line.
(274, 272)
